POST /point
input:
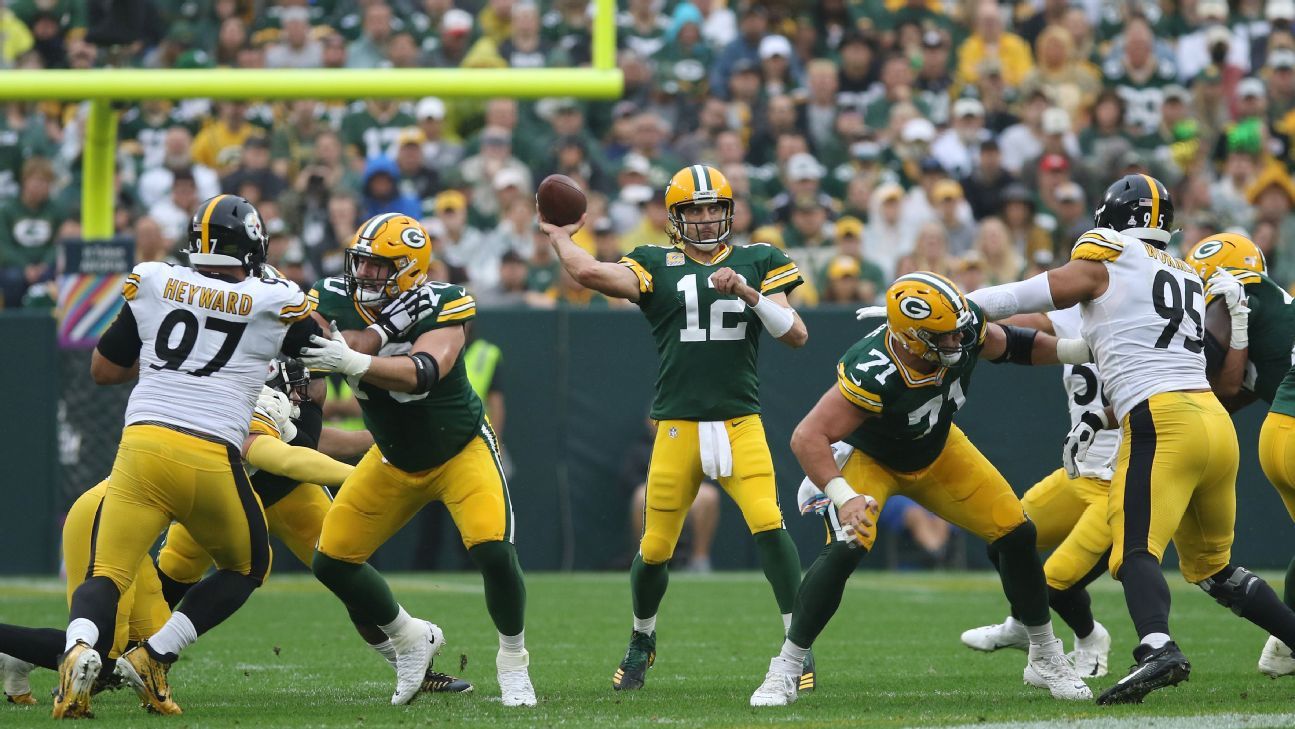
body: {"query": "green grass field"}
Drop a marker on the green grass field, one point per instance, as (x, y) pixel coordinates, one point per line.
(890, 658)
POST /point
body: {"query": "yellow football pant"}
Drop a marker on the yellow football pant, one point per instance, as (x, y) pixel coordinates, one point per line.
(1175, 478)
(141, 610)
(378, 499)
(1070, 516)
(961, 486)
(295, 520)
(162, 475)
(675, 474)
(1277, 456)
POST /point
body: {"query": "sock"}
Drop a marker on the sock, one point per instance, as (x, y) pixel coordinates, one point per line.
(646, 626)
(786, 623)
(648, 583)
(95, 602)
(177, 634)
(387, 650)
(1289, 592)
(820, 591)
(1040, 634)
(513, 644)
(1155, 640)
(216, 597)
(1021, 573)
(173, 591)
(80, 630)
(781, 565)
(37, 646)
(1146, 593)
(794, 653)
(1075, 607)
(361, 588)
(1264, 609)
(501, 574)
(399, 630)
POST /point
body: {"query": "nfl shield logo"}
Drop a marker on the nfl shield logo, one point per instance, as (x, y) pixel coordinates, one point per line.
(674, 432)
(674, 258)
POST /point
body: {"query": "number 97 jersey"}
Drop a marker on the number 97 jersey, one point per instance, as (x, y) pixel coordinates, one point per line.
(205, 345)
(1147, 329)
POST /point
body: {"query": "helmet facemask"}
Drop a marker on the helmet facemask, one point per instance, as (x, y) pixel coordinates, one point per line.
(370, 290)
(290, 377)
(682, 228)
(945, 355)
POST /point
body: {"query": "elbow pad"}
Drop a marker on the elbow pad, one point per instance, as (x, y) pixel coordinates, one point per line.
(1020, 345)
(427, 372)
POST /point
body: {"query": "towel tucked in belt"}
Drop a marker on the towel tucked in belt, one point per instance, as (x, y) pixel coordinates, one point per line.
(716, 454)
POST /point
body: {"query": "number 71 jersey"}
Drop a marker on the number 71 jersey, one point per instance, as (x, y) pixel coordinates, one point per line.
(912, 412)
(707, 342)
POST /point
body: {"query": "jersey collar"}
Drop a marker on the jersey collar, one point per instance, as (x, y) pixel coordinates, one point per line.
(727, 249)
(365, 314)
(912, 377)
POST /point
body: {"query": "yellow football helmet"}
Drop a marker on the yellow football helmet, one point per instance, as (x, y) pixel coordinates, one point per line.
(1226, 250)
(698, 185)
(923, 307)
(399, 246)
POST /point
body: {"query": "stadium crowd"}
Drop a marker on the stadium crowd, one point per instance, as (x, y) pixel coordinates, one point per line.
(866, 137)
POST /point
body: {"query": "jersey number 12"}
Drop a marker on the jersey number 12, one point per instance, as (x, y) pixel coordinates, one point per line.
(692, 331)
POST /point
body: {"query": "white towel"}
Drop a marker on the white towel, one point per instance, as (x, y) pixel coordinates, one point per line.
(841, 452)
(716, 453)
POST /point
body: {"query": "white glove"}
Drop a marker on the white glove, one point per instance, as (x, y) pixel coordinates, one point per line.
(276, 406)
(870, 312)
(399, 316)
(811, 499)
(1080, 437)
(335, 355)
(1224, 284)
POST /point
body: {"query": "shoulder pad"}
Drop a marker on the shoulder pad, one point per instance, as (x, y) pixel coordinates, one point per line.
(1098, 244)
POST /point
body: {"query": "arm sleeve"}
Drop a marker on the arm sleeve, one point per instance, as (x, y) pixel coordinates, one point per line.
(120, 344)
(299, 464)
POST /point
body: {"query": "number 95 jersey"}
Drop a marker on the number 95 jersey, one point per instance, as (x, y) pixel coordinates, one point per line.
(205, 345)
(1147, 329)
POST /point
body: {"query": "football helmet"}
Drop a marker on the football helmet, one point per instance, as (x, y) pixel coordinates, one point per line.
(227, 231)
(698, 185)
(1140, 206)
(923, 307)
(1225, 250)
(289, 376)
(399, 246)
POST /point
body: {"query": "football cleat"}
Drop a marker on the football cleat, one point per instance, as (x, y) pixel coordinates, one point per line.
(1275, 661)
(808, 677)
(639, 657)
(515, 687)
(413, 662)
(1091, 653)
(13, 673)
(1049, 668)
(147, 675)
(435, 682)
(77, 671)
(779, 687)
(1156, 668)
(988, 638)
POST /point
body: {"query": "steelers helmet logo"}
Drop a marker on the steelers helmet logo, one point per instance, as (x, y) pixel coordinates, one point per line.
(914, 308)
(252, 224)
(1205, 250)
(413, 237)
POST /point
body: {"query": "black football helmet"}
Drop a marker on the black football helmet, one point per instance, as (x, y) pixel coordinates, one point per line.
(227, 231)
(1140, 206)
(289, 376)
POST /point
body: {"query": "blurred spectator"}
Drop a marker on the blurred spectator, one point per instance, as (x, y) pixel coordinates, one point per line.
(438, 151)
(155, 183)
(777, 66)
(1028, 238)
(151, 244)
(174, 212)
(808, 237)
(1139, 76)
(991, 45)
(512, 284)
(296, 47)
(1023, 142)
(1273, 195)
(651, 228)
(524, 47)
(803, 175)
(403, 51)
(842, 282)
(372, 128)
(930, 253)
(752, 26)
(1070, 84)
(455, 36)
(480, 169)
(956, 149)
(949, 211)
(888, 237)
(1212, 42)
(370, 49)
(933, 80)
(215, 143)
(254, 169)
(418, 180)
(1073, 218)
(464, 246)
(382, 193)
(848, 236)
(997, 255)
(984, 188)
(1229, 194)
(27, 227)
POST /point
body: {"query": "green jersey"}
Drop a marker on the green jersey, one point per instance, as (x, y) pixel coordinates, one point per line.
(1272, 333)
(413, 432)
(707, 342)
(912, 412)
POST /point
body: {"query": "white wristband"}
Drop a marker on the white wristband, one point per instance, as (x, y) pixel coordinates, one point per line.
(1073, 351)
(1240, 332)
(839, 491)
(382, 335)
(777, 319)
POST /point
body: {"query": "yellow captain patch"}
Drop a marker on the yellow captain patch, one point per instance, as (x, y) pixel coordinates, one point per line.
(855, 392)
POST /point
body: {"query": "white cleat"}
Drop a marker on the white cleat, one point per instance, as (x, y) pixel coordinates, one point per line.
(412, 662)
(1091, 653)
(1009, 634)
(1049, 668)
(513, 672)
(1275, 661)
(13, 673)
(779, 687)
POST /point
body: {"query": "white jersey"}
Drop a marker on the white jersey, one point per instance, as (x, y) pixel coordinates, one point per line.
(1147, 330)
(206, 345)
(1084, 393)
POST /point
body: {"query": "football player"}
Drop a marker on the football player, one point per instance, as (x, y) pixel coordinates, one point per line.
(200, 340)
(1068, 509)
(707, 302)
(1175, 476)
(894, 400)
(1249, 330)
(401, 354)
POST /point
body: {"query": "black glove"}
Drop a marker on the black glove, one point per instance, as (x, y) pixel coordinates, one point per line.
(404, 312)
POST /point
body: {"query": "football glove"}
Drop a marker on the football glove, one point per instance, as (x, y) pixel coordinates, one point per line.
(1079, 439)
(277, 407)
(400, 316)
(1224, 284)
(335, 355)
(870, 312)
(811, 499)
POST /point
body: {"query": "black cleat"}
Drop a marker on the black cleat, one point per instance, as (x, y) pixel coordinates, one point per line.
(435, 682)
(639, 657)
(1156, 668)
(808, 678)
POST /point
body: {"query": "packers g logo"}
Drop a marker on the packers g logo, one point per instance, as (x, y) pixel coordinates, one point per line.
(914, 308)
(1205, 250)
(413, 237)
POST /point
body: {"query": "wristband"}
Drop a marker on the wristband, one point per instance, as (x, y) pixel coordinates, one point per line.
(777, 319)
(382, 335)
(839, 491)
(1240, 331)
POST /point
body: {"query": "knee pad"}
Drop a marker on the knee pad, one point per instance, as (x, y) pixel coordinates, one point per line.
(1232, 587)
(492, 557)
(655, 548)
(1022, 537)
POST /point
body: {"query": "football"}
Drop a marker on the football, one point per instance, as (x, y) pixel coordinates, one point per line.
(560, 200)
